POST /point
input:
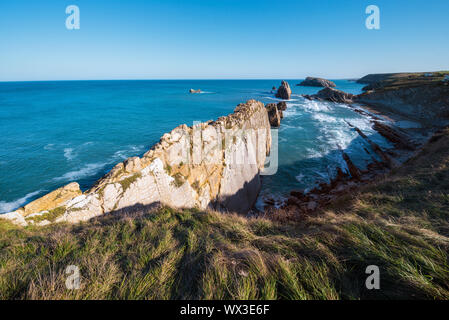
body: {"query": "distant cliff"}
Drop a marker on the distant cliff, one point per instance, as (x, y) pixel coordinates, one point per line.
(423, 97)
(214, 164)
(419, 96)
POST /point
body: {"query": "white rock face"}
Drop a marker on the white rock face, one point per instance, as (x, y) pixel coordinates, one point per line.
(15, 217)
(213, 164)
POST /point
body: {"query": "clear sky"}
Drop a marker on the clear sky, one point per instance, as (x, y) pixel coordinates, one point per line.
(213, 39)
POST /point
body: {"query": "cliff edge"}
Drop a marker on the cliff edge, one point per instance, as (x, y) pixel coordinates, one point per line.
(215, 164)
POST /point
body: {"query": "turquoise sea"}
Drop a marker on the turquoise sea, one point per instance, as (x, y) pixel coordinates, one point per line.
(52, 133)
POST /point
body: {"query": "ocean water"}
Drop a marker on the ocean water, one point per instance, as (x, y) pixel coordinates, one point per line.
(52, 133)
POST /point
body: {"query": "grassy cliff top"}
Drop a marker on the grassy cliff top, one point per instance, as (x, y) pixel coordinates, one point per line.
(397, 80)
(399, 223)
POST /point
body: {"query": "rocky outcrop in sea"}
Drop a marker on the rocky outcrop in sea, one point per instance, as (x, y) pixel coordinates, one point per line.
(332, 95)
(284, 91)
(317, 82)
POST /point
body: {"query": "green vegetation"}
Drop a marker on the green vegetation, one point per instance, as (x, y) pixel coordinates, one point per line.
(196, 186)
(51, 215)
(179, 180)
(399, 223)
(395, 81)
(168, 169)
(130, 180)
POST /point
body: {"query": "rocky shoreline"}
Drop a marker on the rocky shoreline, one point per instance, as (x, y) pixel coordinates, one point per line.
(406, 142)
(162, 176)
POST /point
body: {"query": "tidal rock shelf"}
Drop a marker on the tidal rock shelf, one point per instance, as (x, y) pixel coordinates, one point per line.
(419, 97)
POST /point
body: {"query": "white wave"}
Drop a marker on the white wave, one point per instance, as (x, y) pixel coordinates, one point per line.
(299, 177)
(86, 171)
(316, 106)
(363, 124)
(322, 117)
(68, 154)
(313, 153)
(279, 100)
(337, 137)
(6, 207)
(49, 146)
(129, 152)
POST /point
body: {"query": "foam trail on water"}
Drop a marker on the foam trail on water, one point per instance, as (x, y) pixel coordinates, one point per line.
(68, 153)
(86, 171)
(13, 205)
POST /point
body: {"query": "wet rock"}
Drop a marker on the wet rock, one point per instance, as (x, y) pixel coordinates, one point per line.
(284, 91)
(353, 170)
(387, 161)
(274, 116)
(399, 139)
(332, 95)
(297, 194)
(312, 205)
(282, 106)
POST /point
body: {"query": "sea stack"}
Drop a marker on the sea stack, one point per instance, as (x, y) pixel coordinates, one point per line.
(284, 91)
(274, 115)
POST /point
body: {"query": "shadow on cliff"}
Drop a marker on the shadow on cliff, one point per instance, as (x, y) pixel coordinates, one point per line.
(245, 198)
(240, 202)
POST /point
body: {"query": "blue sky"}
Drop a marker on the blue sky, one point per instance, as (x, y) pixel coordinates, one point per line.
(215, 39)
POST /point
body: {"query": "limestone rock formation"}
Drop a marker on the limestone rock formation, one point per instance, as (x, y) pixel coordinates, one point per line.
(214, 164)
(317, 82)
(274, 115)
(284, 91)
(52, 200)
(332, 95)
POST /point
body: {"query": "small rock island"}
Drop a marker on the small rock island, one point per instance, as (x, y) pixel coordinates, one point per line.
(317, 82)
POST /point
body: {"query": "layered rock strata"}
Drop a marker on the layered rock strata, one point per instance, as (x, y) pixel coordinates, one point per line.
(213, 164)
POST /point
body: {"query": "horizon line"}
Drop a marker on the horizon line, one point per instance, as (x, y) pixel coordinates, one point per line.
(174, 79)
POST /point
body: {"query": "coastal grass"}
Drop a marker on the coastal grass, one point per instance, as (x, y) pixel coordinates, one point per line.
(410, 80)
(51, 215)
(399, 223)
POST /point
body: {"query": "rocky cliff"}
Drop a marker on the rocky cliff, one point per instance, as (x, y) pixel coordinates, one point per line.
(214, 164)
(423, 97)
(428, 104)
